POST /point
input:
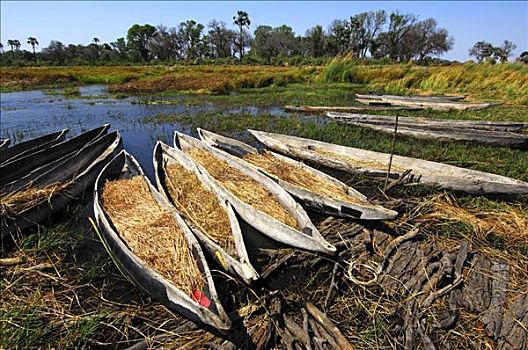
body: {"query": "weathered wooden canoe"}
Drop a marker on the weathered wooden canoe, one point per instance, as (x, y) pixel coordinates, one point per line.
(435, 105)
(412, 97)
(486, 137)
(356, 160)
(308, 237)
(21, 166)
(4, 143)
(430, 123)
(79, 171)
(125, 166)
(238, 263)
(359, 208)
(321, 109)
(31, 146)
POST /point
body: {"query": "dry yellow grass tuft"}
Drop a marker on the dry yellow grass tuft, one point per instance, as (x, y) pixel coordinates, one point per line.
(200, 206)
(245, 188)
(21, 200)
(510, 222)
(299, 177)
(151, 232)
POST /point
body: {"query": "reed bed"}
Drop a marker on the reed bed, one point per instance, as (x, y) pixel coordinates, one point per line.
(151, 232)
(24, 199)
(298, 176)
(358, 163)
(245, 188)
(200, 206)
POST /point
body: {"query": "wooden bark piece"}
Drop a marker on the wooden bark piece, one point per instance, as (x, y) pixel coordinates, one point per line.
(492, 317)
(476, 293)
(329, 326)
(514, 330)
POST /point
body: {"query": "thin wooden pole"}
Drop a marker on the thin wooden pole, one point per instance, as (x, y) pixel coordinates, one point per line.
(391, 154)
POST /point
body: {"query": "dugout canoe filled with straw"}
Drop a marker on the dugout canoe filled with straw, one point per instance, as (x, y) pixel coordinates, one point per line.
(212, 219)
(152, 244)
(36, 197)
(259, 200)
(315, 189)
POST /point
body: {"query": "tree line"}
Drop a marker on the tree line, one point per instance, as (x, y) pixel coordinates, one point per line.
(393, 37)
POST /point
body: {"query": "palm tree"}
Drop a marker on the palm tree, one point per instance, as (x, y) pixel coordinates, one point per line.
(33, 42)
(13, 43)
(2, 47)
(241, 20)
(96, 41)
(17, 44)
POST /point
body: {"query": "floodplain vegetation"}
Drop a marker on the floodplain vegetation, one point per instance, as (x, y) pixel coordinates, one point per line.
(59, 288)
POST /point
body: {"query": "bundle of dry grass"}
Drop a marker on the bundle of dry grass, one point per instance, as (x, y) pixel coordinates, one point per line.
(507, 221)
(358, 163)
(299, 176)
(244, 187)
(24, 199)
(200, 206)
(151, 232)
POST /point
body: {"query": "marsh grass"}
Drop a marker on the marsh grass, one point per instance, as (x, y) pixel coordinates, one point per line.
(501, 82)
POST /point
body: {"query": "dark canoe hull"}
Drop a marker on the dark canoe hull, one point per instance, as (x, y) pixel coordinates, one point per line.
(81, 168)
(361, 209)
(124, 166)
(21, 166)
(4, 143)
(24, 148)
(375, 164)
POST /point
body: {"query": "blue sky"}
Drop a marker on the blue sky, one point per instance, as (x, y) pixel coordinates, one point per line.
(78, 22)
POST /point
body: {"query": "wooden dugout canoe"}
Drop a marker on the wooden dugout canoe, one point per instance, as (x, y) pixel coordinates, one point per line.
(125, 166)
(308, 237)
(4, 143)
(356, 160)
(79, 170)
(430, 123)
(31, 146)
(360, 209)
(432, 98)
(435, 105)
(21, 166)
(321, 109)
(486, 137)
(237, 264)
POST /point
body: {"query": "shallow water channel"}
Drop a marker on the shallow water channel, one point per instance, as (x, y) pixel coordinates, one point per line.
(28, 114)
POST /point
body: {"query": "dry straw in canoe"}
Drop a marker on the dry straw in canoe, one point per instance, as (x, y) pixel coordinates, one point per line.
(29, 197)
(244, 187)
(200, 206)
(151, 232)
(298, 176)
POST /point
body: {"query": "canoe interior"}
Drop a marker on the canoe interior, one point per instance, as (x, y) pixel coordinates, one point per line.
(24, 148)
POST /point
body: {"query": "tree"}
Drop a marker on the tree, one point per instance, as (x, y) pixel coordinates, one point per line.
(242, 21)
(55, 52)
(220, 39)
(138, 38)
(389, 43)
(1, 48)
(14, 44)
(190, 33)
(96, 41)
(424, 39)
(339, 38)
(365, 27)
(482, 50)
(165, 43)
(523, 57)
(316, 41)
(33, 42)
(503, 52)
